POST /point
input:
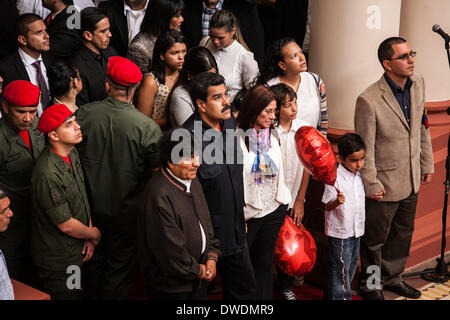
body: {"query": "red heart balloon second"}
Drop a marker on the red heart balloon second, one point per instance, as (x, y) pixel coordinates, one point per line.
(316, 154)
(295, 250)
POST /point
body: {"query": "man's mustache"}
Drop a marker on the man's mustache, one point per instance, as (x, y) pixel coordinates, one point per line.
(228, 107)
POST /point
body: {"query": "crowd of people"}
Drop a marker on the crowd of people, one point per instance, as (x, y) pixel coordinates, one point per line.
(92, 175)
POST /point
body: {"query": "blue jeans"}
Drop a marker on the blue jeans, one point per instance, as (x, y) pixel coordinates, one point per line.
(342, 263)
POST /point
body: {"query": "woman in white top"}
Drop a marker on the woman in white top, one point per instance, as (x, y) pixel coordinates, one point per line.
(285, 63)
(266, 195)
(181, 107)
(236, 63)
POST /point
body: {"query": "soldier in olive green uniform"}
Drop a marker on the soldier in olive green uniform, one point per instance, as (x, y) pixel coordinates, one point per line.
(62, 233)
(20, 145)
(118, 153)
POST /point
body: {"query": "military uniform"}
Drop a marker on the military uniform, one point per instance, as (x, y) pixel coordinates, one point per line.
(58, 194)
(16, 164)
(119, 148)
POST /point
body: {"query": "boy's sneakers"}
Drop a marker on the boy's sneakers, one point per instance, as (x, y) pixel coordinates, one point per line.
(288, 295)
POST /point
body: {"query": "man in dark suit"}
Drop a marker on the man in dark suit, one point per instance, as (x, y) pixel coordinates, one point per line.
(61, 27)
(246, 12)
(125, 17)
(92, 58)
(223, 184)
(30, 60)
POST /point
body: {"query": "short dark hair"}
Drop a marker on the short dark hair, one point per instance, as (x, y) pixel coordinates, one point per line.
(23, 21)
(169, 141)
(350, 143)
(385, 50)
(2, 194)
(282, 91)
(198, 87)
(60, 76)
(89, 18)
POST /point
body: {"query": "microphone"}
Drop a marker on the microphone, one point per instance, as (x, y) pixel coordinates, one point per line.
(437, 29)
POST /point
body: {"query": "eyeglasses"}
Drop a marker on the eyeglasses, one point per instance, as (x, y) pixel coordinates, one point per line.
(405, 56)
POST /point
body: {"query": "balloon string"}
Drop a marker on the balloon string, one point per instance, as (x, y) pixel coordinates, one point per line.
(337, 190)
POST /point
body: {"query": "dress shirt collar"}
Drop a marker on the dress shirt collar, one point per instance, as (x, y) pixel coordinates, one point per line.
(345, 173)
(230, 47)
(186, 183)
(394, 87)
(56, 13)
(126, 8)
(294, 127)
(27, 59)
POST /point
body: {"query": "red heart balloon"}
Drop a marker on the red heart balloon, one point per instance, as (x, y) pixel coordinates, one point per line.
(295, 251)
(316, 154)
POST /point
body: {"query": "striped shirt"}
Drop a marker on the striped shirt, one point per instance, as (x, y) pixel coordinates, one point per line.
(236, 64)
(6, 288)
(207, 14)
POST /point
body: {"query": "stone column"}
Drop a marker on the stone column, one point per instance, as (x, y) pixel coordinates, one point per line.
(416, 22)
(345, 35)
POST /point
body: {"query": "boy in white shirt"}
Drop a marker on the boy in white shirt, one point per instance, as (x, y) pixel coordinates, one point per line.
(295, 177)
(344, 217)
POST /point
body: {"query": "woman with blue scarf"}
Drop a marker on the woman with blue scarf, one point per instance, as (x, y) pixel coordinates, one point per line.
(266, 195)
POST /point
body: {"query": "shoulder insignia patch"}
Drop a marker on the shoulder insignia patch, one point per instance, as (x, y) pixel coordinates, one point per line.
(57, 196)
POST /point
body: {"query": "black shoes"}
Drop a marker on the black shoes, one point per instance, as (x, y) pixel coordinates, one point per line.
(373, 295)
(404, 290)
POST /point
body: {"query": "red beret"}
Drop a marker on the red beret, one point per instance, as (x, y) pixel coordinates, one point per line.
(123, 71)
(53, 117)
(22, 93)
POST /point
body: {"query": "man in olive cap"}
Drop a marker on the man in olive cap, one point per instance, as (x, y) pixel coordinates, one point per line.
(119, 153)
(20, 145)
(62, 233)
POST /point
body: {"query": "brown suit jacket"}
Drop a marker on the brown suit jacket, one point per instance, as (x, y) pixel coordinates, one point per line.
(397, 154)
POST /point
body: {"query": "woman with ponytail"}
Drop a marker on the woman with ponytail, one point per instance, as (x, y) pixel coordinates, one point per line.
(235, 61)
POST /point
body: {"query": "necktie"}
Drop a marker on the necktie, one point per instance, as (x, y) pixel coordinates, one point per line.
(45, 95)
(48, 20)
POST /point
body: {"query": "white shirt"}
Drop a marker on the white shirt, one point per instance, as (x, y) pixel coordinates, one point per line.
(308, 99)
(35, 6)
(134, 20)
(236, 64)
(181, 106)
(6, 288)
(32, 73)
(347, 219)
(293, 168)
(187, 183)
(253, 200)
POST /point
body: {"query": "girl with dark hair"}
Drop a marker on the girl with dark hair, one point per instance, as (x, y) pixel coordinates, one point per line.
(65, 84)
(162, 16)
(236, 63)
(168, 60)
(265, 192)
(285, 63)
(197, 60)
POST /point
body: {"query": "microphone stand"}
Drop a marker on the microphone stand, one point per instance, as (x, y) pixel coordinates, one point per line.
(447, 48)
(440, 274)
